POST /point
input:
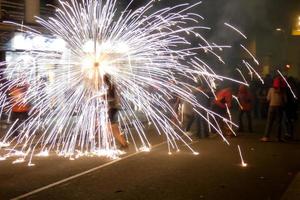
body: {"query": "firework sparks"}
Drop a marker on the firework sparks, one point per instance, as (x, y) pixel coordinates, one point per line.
(241, 156)
(237, 30)
(289, 86)
(148, 57)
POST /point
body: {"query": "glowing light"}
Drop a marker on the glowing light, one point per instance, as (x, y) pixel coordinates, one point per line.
(4, 144)
(31, 164)
(43, 154)
(287, 83)
(148, 57)
(22, 41)
(2, 158)
(145, 149)
(253, 57)
(241, 156)
(19, 160)
(89, 47)
(237, 30)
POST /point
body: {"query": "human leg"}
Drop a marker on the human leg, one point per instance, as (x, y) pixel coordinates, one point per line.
(249, 118)
(270, 120)
(203, 125)
(114, 125)
(241, 126)
(279, 127)
(118, 135)
(189, 119)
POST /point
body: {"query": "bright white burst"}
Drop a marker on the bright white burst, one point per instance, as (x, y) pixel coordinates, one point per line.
(149, 57)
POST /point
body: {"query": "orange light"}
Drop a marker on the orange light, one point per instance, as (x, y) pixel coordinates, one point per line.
(288, 66)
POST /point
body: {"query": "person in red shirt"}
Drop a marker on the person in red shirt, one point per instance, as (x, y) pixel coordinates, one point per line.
(20, 108)
(222, 102)
(245, 100)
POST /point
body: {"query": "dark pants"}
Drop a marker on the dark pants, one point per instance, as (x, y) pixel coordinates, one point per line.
(275, 113)
(21, 117)
(249, 119)
(113, 115)
(289, 120)
(222, 112)
(202, 126)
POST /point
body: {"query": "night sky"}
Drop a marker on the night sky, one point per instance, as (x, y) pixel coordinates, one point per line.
(249, 15)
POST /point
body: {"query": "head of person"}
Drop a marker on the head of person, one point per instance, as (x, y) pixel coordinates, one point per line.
(243, 89)
(107, 80)
(277, 83)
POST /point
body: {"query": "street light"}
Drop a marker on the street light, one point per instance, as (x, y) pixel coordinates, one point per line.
(279, 30)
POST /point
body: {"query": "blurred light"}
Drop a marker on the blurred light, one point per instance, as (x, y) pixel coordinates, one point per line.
(19, 41)
(288, 66)
(244, 164)
(58, 44)
(24, 42)
(89, 47)
(296, 27)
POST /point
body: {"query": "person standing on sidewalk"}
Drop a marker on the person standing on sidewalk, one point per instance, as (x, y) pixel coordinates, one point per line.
(277, 99)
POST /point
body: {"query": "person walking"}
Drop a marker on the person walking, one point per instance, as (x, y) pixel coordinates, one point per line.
(277, 99)
(113, 110)
(221, 106)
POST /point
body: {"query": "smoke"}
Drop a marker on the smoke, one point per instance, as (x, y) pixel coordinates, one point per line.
(247, 15)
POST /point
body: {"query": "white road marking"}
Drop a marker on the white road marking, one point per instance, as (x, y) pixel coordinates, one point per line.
(79, 175)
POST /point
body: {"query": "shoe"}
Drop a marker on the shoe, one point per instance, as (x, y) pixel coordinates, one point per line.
(124, 146)
(265, 139)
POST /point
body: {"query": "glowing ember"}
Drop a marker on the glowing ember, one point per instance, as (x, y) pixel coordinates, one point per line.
(242, 160)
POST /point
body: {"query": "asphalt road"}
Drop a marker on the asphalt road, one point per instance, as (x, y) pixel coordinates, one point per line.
(216, 173)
